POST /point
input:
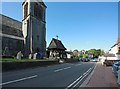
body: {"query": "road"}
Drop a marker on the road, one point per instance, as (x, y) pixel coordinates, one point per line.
(66, 75)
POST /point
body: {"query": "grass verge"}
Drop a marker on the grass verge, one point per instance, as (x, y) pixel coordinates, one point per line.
(22, 60)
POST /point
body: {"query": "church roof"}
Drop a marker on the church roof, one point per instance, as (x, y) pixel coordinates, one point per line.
(43, 4)
(11, 26)
(11, 22)
(56, 44)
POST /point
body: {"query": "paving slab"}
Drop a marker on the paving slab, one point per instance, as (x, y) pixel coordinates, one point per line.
(102, 76)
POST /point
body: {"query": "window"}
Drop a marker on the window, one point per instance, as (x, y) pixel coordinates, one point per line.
(37, 11)
(119, 49)
(25, 10)
(38, 37)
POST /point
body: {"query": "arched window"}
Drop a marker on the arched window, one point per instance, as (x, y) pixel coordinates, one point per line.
(25, 10)
(37, 11)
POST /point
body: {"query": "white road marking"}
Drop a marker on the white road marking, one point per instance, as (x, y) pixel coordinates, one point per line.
(66, 68)
(58, 70)
(18, 80)
(86, 72)
(82, 78)
(88, 78)
(61, 69)
(74, 82)
(78, 80)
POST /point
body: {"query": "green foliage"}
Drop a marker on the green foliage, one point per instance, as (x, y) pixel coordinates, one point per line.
(74, 56)
(96, 52)
(85, 56)
(102, 53)
(81, 56)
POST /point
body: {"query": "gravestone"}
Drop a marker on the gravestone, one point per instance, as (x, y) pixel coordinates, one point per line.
(19, 55)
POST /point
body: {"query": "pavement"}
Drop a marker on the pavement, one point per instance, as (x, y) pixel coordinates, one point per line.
(101, 76)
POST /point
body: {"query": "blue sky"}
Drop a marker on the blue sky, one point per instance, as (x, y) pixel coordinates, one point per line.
(79, 25)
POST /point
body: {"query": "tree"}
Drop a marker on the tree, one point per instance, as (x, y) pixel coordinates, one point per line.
(102, 53)
(85, 55)
(76, 53)
(96, 52)
(81, 56)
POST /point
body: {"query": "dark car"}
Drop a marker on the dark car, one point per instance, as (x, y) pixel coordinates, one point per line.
(84, 59)
(115, 68)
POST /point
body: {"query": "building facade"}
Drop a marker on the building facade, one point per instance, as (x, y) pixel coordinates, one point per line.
(115, 50)
(34, 27)
(11, 36)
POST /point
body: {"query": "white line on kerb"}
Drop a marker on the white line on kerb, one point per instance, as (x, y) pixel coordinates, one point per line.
(61, 69)
(18, 80)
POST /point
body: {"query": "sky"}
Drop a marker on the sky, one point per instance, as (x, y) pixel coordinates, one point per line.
(79, 25)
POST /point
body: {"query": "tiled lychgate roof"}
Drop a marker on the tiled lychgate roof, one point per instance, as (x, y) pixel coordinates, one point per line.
(56, 44)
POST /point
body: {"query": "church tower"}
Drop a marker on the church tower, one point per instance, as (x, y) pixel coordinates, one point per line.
(34, 27)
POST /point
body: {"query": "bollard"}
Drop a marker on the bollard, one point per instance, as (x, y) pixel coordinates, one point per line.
(102, 61)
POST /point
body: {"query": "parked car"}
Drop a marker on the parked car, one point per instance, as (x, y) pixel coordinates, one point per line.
(116, 67)
(94, 60)
(80, 59)
(84, 59)
(110, 62)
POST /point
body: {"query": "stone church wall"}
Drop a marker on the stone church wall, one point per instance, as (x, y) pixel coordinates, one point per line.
(12, 38)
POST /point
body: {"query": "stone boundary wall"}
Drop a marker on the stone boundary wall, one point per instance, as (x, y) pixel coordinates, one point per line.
(8, 66)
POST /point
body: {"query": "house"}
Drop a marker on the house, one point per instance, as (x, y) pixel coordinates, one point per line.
(69, 54)
(115, 51)
(56, 49)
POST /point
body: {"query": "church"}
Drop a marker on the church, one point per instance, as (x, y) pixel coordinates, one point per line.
(34, 27)
(11, 36)
(28, 36)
